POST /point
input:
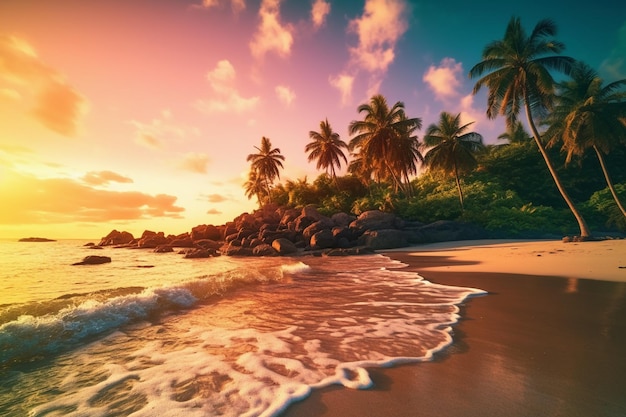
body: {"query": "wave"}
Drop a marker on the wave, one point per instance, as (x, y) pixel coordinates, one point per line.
(33, 331)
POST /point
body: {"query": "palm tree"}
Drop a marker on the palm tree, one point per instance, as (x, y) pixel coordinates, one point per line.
(326, 149)
(517, 73)
(515, 133)
(588, 115)
(255, 186)
(379, 138)
(266, 163)
(453, 148)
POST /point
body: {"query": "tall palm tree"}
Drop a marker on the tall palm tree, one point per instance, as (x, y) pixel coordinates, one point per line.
(379, 136)
(517, 74)
(326, 149)
(589, 115)
(266, 163)
(453, 148)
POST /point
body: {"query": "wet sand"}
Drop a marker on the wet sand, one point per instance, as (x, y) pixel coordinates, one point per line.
(536, 345)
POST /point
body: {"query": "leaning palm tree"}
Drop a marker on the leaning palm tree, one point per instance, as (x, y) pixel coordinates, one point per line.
(589, 115)
(378, 134)
(517, 74)
(452, 149)
(266, 163)
(326, 149)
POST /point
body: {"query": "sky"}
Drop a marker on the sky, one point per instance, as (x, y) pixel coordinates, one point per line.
(139, 114)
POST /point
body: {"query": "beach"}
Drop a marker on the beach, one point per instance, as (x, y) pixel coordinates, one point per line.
(547, 340)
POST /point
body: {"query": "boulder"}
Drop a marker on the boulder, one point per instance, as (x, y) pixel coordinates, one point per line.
(284, 246)
(342, 219)
(264, 250)
(94, 260)
(116, 238)
(182, 243)
(318, 226)
(376, 220)
(205, 231)
(384, 239)
(322, 240)
(163, 249)
(198, 253)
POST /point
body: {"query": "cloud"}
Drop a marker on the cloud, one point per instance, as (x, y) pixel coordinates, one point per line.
(213, 211)
(57, 105)
(444, 80)
(226, 98)
(343, 83)
(379, 28)
(160, 130)
(271, 35)
(285, 94)
(195, 162)
(319, 11)
(31, 200)
(104, 178)
(236, 5)
(214, 198)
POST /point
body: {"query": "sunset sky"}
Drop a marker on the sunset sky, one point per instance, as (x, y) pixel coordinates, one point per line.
(139, 114)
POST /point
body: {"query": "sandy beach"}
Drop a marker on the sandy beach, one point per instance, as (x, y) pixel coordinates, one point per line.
(548, 339)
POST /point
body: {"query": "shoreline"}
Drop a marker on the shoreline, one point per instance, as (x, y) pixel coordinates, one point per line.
(538, 343)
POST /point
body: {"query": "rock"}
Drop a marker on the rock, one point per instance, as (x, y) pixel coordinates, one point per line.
(376, 220)
(150, 240)
(94, 260)
(182, 243)
(199, 253)
(384, 239)
(36, 239)
(208, 244)
(318, 226)
(95, 247)
(163, 249)
(205, 231)
(322, 240)
(284, 246)
(342, 219)
(116, 238)
(264, 250)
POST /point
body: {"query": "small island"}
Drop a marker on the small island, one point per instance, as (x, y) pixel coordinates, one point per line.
(36, 239)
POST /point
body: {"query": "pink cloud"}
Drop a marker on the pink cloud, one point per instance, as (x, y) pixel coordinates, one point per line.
(195, 162)
(444, 80)
(319, 11)
(57, 105)
(271, 34)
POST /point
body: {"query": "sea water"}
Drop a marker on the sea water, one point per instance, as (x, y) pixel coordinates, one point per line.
(153, 333)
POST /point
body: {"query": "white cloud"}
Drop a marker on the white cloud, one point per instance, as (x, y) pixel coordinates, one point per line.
(226, 98)
(343, 83)
(271, 34)
(285, 94)
(319, 12)
(615, 65)
(444, 80)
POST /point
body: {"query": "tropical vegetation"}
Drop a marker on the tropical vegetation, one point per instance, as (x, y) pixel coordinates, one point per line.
(524, 186)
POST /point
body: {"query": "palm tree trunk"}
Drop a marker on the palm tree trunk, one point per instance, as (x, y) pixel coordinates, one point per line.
(458, 186)
(609, 182)
(582, 224)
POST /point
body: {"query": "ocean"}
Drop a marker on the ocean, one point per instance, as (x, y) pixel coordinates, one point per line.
(154, 333)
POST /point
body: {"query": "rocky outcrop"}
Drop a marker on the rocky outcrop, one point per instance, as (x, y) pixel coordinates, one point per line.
(93, 260)
(275, 230)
